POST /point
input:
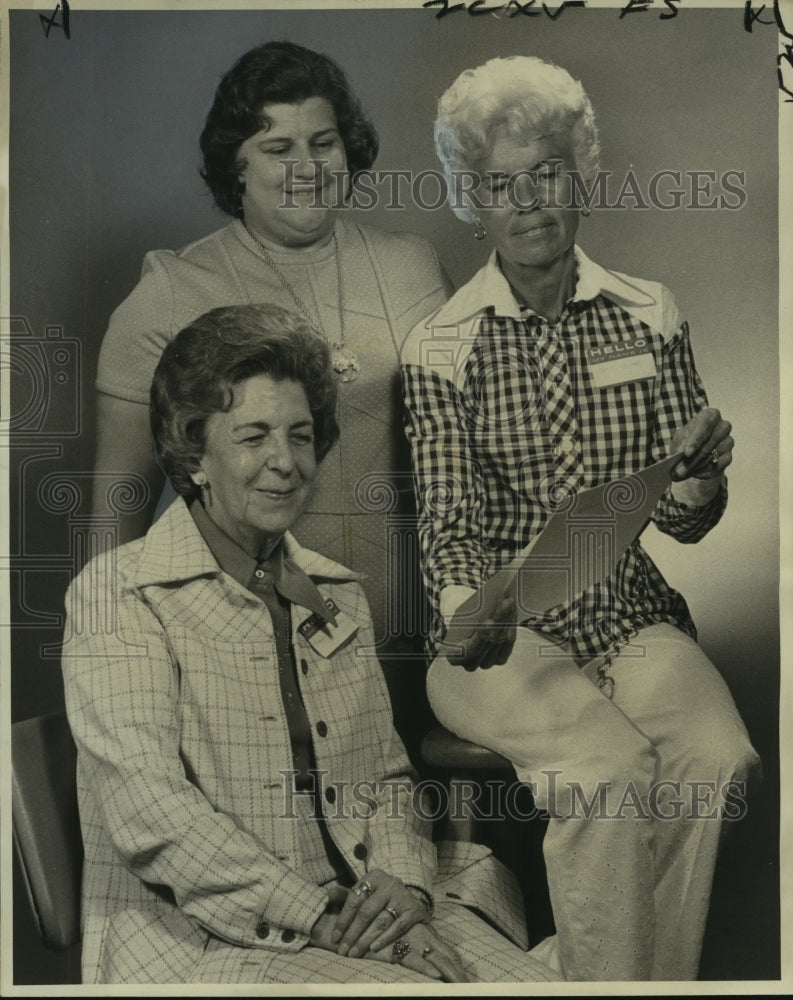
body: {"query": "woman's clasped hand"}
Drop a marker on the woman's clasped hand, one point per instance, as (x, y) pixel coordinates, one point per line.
(382, 919)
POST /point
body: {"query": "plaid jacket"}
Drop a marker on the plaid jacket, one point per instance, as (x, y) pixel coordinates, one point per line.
(173, 697)
(506, 414)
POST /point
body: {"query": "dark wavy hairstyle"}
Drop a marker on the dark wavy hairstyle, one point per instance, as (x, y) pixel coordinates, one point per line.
(276, 73)
(198, 369)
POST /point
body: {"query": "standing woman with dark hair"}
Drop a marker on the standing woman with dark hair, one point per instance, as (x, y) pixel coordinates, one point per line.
(282, 145)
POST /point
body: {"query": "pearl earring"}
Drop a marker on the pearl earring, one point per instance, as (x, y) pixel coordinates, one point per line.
(479, 230)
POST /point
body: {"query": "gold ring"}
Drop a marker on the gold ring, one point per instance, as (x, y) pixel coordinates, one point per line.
(392, 911)
(366, 886)
(714, 457)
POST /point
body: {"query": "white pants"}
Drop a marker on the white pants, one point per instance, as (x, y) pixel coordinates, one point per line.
(636, 786)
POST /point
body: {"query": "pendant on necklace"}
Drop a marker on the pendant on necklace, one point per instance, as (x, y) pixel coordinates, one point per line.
(345, 364)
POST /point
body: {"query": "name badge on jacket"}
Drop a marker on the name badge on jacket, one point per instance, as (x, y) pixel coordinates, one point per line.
(325, 637)
(627, 361)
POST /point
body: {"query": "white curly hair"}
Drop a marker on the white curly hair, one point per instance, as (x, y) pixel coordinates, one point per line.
(532, 96)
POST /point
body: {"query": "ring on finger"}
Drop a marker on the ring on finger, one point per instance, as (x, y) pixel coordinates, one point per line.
(365, 887)
(400, 948)
(392, 910)
(714, 457)
(425, 951)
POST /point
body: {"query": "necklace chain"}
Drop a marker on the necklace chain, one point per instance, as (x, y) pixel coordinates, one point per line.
(345, 364)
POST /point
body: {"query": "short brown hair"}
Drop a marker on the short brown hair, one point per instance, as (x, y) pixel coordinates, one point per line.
(198, 369)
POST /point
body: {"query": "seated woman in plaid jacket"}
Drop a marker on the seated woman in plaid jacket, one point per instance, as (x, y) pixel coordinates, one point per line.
(518, 396)
(248, 811)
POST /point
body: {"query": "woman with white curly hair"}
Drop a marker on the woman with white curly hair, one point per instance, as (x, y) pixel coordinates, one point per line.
(517, 95)
(544, 375)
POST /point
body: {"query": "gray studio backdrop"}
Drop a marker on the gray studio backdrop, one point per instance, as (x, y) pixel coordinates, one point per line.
(104, 167)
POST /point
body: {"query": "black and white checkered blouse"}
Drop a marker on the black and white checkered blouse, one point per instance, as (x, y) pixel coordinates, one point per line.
(506, 413)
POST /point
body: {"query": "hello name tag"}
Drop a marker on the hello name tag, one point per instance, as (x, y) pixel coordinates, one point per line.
(627, 361)
(325, 637)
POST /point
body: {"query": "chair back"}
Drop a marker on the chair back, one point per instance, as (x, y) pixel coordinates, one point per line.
(46, 824)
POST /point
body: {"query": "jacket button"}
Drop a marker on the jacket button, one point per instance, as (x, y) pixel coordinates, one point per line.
(330, 794)
(360, 852)
(322, 728)
(288, 936)
(262, 929)
(304, 666)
